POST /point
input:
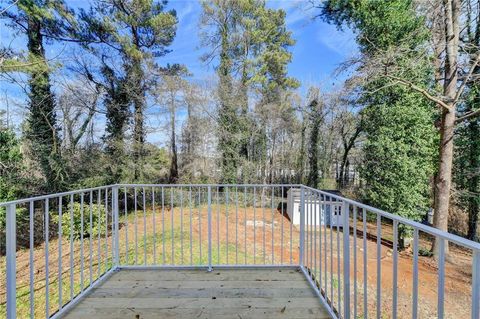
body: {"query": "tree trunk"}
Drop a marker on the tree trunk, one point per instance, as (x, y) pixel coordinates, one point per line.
(138, 98)
(245, 134)
(474, 180)
(316, 118)
(174, 164)
(301, 156)
(341, 174)
(42, 131)
(272, 156)
(342, 179)
(444, 177)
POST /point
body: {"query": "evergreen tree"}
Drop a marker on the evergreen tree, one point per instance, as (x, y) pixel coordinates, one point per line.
(12, 181)
(117, 113)
(246, 36)
(467, 170)
(467, 141)
(399, 150)
(315, 110)
(138, 31)
(40, 20)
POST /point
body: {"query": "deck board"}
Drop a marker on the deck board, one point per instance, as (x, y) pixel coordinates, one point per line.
(222, 293)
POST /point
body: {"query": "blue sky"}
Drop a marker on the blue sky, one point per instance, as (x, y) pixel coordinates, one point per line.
(319, 48)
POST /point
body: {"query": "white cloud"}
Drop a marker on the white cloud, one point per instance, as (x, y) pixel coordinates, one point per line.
(184, 10)
(297, 11)
(341, 42)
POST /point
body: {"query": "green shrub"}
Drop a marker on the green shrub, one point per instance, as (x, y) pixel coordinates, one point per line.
(68, 225)
(425, 252)
(22, 224)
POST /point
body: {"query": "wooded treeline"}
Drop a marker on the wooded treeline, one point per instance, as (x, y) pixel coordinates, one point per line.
(401, 134)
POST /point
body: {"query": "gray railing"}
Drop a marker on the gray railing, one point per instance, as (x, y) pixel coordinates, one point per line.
(58, 247)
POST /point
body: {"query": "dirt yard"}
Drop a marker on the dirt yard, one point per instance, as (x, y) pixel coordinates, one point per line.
(240, 236)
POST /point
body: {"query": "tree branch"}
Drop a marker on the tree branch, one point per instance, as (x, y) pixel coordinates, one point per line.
(420, 90)
(467, 116)
(467, 78)
(11, 5)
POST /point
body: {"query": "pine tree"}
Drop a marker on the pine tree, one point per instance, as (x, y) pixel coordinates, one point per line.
(41, 20)
(117, 113)
(246, 36)
(138, 31)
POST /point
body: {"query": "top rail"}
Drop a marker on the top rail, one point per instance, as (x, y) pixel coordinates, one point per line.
(209, 185)
(48, 196)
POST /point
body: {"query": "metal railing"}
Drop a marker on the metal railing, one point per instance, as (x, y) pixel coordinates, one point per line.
(58, 247)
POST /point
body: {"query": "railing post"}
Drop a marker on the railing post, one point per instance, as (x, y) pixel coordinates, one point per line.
(302, 225)
(209, 228)
(11, 242)
(116, 221)
(476, 285)
(346, 259)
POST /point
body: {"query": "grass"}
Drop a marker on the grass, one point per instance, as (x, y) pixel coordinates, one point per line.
(174, 246)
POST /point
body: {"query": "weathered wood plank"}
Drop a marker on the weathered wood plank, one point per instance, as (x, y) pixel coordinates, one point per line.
(225, 293)
(251, 313)
(205, 284)
(191, 303)
(217, 275)
(142, 291)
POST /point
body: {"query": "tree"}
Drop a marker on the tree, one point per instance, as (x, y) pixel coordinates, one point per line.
(139, 31)
(172, 93)
(350, 129)
(300, 167)
(269, 76)
(251, 43)
(467, 143)
(78, 106)
(399, 155)
(316, 116)
(117, 103)
(12, 181)
(221, 16)
(399, 147)
(467, 168)
(446, 92)
(41, 20)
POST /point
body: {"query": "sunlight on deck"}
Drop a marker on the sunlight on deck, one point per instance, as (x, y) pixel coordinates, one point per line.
(222, 293)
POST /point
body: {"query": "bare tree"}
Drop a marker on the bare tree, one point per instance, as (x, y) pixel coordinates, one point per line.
(171, 93)
(78, 106)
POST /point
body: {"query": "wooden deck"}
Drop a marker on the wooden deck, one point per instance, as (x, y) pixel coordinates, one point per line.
(222, 293)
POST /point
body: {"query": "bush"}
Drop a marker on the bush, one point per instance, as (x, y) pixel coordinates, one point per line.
(23, 227)
(98, 222)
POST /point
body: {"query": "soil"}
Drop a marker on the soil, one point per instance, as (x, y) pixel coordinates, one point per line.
(244, 235)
